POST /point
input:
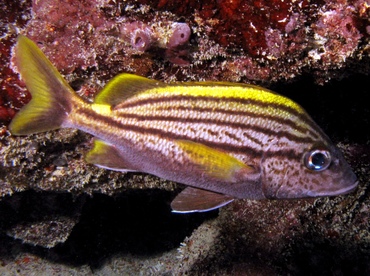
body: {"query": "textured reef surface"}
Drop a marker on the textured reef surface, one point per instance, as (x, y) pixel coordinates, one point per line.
(60, 215)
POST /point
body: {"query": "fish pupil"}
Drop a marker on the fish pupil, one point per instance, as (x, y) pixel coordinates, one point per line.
(318, 160)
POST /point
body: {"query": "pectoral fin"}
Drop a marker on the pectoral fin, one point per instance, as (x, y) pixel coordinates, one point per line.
(216, 164)
(108, 157)
(193, 200)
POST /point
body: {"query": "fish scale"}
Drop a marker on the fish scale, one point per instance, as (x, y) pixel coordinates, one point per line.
(222, 140)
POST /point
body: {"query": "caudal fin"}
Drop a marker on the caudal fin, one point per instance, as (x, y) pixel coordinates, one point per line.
(51, 95)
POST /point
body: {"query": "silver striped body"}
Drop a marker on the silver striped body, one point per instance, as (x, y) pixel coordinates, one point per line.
(268, 137)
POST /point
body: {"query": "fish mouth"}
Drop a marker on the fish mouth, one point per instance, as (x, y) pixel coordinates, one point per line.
(342, 191)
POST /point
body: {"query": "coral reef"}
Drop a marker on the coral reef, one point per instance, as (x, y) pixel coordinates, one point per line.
(60, 215)
(12, 95)
(249, 41)
(288, 36)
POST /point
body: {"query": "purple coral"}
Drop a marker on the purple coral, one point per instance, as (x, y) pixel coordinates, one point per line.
(140, 35)
(170, 37)
(141, 39)
(180, 34)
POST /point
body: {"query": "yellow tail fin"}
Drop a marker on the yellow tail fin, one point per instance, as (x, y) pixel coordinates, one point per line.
(51, 95)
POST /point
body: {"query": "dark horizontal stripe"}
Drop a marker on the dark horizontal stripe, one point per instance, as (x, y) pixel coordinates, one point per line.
(305, 118)
(246, 114)
(140, 102)
(242, 126)
(245, 150)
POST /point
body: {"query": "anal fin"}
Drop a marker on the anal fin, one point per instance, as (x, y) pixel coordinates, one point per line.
(193, 200)
(108, 157)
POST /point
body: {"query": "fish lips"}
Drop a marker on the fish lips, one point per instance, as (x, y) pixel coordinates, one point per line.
(336, 192)
(315, 193)
(344, 184)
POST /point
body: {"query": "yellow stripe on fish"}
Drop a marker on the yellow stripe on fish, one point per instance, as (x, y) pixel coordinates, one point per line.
(224, 140)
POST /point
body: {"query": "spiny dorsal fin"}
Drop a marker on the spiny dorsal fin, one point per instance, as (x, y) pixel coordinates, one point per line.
(108, 157)
(193, 200)
(123, 87)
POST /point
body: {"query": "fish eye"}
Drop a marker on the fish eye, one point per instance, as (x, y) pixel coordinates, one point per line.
(317, 160)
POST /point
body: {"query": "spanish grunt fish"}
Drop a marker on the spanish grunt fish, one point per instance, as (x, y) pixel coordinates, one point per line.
(223, 140)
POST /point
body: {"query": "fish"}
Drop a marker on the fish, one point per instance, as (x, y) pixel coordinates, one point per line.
(224, 141)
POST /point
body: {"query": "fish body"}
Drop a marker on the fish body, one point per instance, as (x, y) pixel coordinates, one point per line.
(223, 140)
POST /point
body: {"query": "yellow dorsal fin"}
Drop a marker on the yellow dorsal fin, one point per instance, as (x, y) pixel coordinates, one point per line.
(123, 87)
